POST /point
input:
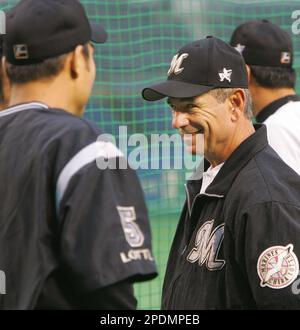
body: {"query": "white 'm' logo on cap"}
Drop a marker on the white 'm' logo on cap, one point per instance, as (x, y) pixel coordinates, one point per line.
(226, 74)
(176, 64)
(21, 52)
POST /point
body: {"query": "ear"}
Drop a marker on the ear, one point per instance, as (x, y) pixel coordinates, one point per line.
(3, 62)
(76, 62)
(237, 104)
(4, 68)
(6, 86)
(248, 73)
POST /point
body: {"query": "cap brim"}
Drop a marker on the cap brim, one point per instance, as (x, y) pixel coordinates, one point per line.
(176, 89)
(99, 35)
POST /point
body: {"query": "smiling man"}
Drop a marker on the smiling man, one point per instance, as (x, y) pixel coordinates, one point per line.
(237, 241)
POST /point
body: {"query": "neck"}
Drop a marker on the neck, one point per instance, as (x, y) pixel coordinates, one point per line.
(224, 150)
(265, 96)
(3, 105)
(52, 93)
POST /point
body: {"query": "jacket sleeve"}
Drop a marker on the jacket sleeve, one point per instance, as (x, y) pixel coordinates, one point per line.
(267, 249)
(119, 296)
(105, 231)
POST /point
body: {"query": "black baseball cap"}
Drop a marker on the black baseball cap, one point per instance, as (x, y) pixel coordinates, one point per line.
(199, 67)
(41, 29)
(263, 43)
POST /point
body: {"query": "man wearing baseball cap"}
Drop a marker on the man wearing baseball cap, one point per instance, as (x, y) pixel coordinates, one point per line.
(72, 235)
(237, 241)
(268, 53)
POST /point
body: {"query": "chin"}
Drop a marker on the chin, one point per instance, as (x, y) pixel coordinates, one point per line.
(191, 151)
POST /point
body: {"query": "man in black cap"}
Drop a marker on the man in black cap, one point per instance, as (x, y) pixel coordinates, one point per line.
(72, 236)
(237, 241)
(268, 53)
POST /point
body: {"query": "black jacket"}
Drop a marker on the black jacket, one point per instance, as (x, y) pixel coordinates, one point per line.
(237, 245)
(72, 235)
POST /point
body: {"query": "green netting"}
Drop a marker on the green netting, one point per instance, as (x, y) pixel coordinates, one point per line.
(143, 37)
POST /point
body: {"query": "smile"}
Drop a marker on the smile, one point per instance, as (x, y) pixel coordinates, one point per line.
(199, 131)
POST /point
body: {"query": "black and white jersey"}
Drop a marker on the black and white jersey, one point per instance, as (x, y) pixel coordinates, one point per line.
(237, 244)
(65, 223)
(282, 118)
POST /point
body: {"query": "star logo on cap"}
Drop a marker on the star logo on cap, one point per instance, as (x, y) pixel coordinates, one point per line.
(240, 48)
(226, 74)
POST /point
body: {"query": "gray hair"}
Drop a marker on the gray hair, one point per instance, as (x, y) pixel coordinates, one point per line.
(221, 94)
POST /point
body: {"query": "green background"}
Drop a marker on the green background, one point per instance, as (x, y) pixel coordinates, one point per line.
(144, 35)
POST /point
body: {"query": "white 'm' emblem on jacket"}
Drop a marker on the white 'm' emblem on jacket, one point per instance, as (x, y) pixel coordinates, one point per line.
(207, 246)
(176, 64)
(226, 74)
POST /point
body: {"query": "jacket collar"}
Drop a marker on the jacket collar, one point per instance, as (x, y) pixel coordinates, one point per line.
(22, 107)
(271, 108)
(232, 166)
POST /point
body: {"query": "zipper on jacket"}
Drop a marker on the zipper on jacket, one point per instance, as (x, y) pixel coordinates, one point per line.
(190, 208)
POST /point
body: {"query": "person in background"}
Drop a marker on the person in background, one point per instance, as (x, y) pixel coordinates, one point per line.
(268, 53)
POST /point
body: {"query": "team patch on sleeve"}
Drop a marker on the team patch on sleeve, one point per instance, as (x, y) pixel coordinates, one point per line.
(134, 236)
(278, 267)
(132, 231)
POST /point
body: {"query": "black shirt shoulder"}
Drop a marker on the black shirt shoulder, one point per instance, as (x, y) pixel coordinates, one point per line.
(58, 135)
(265, 178)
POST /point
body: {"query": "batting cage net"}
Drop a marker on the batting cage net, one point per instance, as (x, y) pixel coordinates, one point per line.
(144, 35)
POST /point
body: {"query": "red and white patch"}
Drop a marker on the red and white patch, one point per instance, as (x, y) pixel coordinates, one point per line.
(278, 267)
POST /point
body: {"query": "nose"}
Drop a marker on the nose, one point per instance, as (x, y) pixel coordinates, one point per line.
(179, 120)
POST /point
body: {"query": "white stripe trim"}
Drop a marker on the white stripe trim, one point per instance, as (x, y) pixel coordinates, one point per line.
(21, 107)
(190, 207)
(213, 195)
(85, 156)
